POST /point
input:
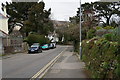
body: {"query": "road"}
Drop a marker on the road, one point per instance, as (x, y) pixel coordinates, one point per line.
(26, 65)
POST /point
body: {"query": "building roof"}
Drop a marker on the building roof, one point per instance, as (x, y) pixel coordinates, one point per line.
(3, 32)
(2, 16)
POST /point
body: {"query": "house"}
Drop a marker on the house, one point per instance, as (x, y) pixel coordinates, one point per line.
(53, 37)
(59, 25)
(4, 22)
(3, 32)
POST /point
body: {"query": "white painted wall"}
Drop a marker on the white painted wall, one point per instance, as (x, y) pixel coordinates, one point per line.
(4, 25)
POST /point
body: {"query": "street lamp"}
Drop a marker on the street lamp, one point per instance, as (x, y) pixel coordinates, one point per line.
(80, 34)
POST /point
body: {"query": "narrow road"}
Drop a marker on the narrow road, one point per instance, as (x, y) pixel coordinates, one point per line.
(26, 65)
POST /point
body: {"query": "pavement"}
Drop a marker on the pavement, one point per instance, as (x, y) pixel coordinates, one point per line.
(67, 66)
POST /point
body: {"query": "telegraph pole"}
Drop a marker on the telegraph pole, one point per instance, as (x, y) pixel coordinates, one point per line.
(80, 34)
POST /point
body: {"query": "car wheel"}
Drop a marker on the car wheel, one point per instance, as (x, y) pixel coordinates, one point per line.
(41, 51)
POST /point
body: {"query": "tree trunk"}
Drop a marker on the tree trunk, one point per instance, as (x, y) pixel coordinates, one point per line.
(107, 22)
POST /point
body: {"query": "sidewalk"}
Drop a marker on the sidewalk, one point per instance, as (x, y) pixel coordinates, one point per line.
(67, 66)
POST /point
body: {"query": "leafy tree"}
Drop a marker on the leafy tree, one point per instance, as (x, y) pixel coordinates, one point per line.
(31, 17)
(102, 9)
(39, 19)
(107, 9)
(17, 13)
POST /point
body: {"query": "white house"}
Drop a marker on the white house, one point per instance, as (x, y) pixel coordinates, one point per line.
(3, 23)
(3, 30)
(53, 37)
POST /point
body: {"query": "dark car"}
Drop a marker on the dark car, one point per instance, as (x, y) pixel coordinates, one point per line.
(35, 48)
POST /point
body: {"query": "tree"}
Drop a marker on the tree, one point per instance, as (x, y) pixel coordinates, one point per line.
(107, 10)
(17, 14)
(40, 19)
(100, 9)
(32, 17)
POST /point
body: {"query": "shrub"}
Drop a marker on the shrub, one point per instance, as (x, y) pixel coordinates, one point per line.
(76, 46)
(108, 27)
(101, 32)
(101, 57)
(113, 36)
(98, 28)
(108, 36)
(36, 38)
(91, 33)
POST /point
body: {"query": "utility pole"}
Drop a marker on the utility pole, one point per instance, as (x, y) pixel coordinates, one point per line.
(80, 34)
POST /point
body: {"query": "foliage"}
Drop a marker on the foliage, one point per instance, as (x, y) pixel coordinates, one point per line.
(108, 36)
(103, 10)
(101, 57)
(106, 10)
(114, 35)
(76, 46)
(17, 14)
(31, 17)
(91, 33)
(98, 28)
(114, 24)
(36, 38)
(108, 27)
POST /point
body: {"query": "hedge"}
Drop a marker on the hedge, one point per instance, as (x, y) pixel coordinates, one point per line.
(102, 58)
(36, 38)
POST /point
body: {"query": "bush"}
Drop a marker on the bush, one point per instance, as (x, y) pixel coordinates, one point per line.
(101, 32)
(113, 36)
(36, 38)
(102, 58)
(91, 33)
(108, 36)
(98, 28)
(76, 46)
(108, 27)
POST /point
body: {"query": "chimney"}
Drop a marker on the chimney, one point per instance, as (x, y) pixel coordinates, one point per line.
(5, 14)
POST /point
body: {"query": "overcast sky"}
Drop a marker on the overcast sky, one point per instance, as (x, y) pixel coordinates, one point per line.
(61, 9)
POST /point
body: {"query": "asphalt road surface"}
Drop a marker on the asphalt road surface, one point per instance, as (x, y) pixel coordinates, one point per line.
(26, 65)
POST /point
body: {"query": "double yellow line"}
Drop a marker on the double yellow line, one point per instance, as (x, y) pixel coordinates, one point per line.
(43, 71)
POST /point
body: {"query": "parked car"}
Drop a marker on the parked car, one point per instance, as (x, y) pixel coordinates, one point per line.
(45, 46)
(35, 48)
(54, 44)
(51, 46)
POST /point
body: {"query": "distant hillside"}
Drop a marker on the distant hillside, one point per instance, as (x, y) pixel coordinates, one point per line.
(60, 24)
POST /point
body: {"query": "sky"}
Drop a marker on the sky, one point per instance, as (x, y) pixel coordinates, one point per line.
(60, 9)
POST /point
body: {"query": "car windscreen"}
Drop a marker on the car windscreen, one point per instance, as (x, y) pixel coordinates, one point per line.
(45, 45)
(35, 46)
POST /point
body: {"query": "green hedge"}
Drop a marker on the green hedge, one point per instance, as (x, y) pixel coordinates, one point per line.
(91, 33)
(102, 58)
(114, 35)
(36, 38)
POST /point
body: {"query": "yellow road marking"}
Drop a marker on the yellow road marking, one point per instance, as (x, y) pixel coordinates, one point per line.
(41, 72)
